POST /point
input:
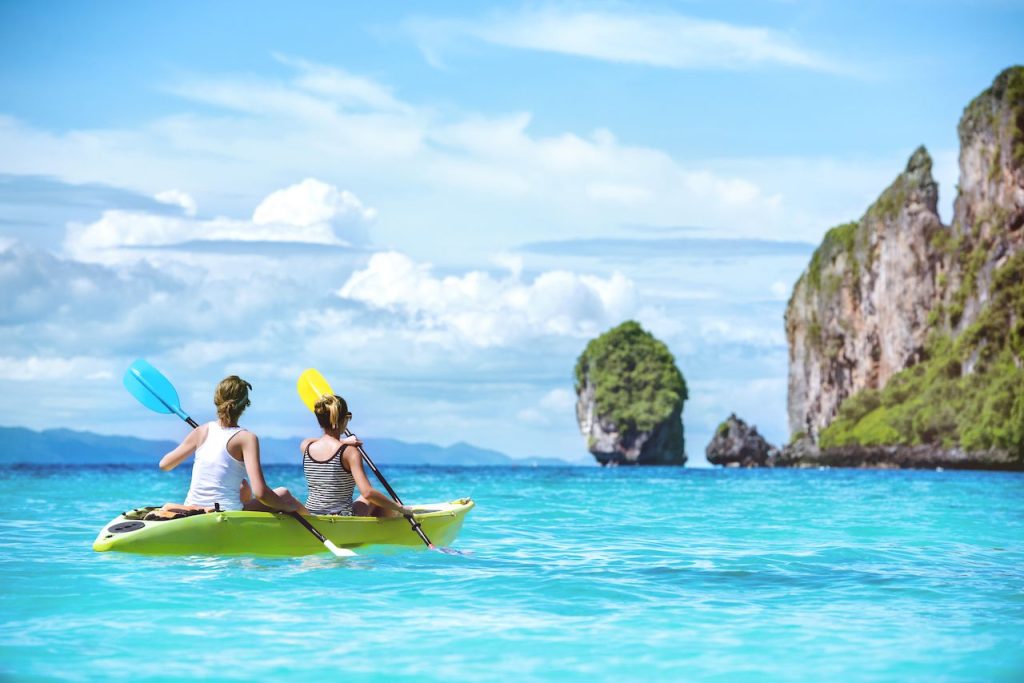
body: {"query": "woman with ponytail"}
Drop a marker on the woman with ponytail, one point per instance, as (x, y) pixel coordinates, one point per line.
(334, 467)
(226, 455)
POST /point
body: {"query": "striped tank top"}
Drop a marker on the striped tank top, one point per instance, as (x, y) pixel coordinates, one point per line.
(330, 484)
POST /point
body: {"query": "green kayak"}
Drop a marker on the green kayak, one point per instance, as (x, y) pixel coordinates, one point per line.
(268, 533)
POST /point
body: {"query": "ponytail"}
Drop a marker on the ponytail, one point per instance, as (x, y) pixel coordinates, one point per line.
(331, 411)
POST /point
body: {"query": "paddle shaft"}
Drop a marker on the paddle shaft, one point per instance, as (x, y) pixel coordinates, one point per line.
(394, 496)
(319, 536)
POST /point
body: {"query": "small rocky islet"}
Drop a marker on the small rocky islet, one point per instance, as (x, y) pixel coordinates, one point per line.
(737, 444)
(630, 396)
(905, 335)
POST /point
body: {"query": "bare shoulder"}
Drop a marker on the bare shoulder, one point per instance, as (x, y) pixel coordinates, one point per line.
(306, 442)
(198, 435)
(243, 443)
(351, 456)
(194, 439)
(329, 442)
(245, 437)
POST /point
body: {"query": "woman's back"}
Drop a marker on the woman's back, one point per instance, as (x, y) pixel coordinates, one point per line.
(216, 476)
(330, 483)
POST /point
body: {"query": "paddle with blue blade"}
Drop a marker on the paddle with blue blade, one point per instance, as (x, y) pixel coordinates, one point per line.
(312, 386)
(153, 390)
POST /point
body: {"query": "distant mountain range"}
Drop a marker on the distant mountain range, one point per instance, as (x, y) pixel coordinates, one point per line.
(66, 446)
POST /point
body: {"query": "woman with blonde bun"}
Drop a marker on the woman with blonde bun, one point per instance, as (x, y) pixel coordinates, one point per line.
(226, 455)
(334, 467)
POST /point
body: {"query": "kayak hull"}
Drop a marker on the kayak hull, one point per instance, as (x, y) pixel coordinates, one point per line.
(274, 534)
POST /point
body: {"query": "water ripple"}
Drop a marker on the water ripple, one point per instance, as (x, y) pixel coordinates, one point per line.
(713, 575)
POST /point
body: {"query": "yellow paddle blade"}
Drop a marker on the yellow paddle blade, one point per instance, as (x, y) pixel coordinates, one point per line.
(312, 386)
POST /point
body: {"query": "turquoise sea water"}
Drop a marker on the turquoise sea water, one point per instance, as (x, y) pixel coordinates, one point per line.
(573, 574)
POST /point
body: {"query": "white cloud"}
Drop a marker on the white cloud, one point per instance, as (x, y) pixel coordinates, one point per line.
(44, 368)
(620, 194)
(556, 406)
(427, 169)
(201, 352)
(558, 400)
(513, 263)
(272, 325)
(833, 191)
(178, 198)
(754, 333)
(208, 307)
(441, 178)
(312, 203)
(62, 293)
(344, 88)
(483, 310)
(310, 212)
(655, 39)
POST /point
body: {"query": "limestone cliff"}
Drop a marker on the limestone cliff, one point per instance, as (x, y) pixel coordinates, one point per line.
(858, 313)
(630, 398)
(903, 331)
(989, 209)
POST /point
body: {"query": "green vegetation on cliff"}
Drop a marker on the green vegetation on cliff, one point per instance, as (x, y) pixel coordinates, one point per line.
(967, 252)
(984, 112)
(850, 240)
(894, 198)
(966, 387)
(938, 400)
(838, 240)
(636, 382)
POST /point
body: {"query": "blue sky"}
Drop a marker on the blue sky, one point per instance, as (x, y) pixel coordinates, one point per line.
(438, 206)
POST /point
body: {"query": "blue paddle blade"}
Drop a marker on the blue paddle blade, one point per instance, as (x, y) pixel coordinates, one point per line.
(152, 389)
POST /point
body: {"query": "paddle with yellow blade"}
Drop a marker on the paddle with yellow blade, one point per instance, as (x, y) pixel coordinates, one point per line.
(312, 386)
(153, 390)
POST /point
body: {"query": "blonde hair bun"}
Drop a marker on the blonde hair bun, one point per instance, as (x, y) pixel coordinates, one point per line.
(231, 398)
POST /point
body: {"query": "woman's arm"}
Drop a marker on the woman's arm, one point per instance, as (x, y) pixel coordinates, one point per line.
(186, 448)
(250, 447)
(354, 461)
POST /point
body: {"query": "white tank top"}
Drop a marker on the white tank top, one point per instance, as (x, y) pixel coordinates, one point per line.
(216, 476)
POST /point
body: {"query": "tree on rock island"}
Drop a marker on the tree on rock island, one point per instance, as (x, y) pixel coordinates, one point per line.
(630, 398)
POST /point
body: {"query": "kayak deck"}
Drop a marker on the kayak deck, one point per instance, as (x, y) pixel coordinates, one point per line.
(274, 534)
